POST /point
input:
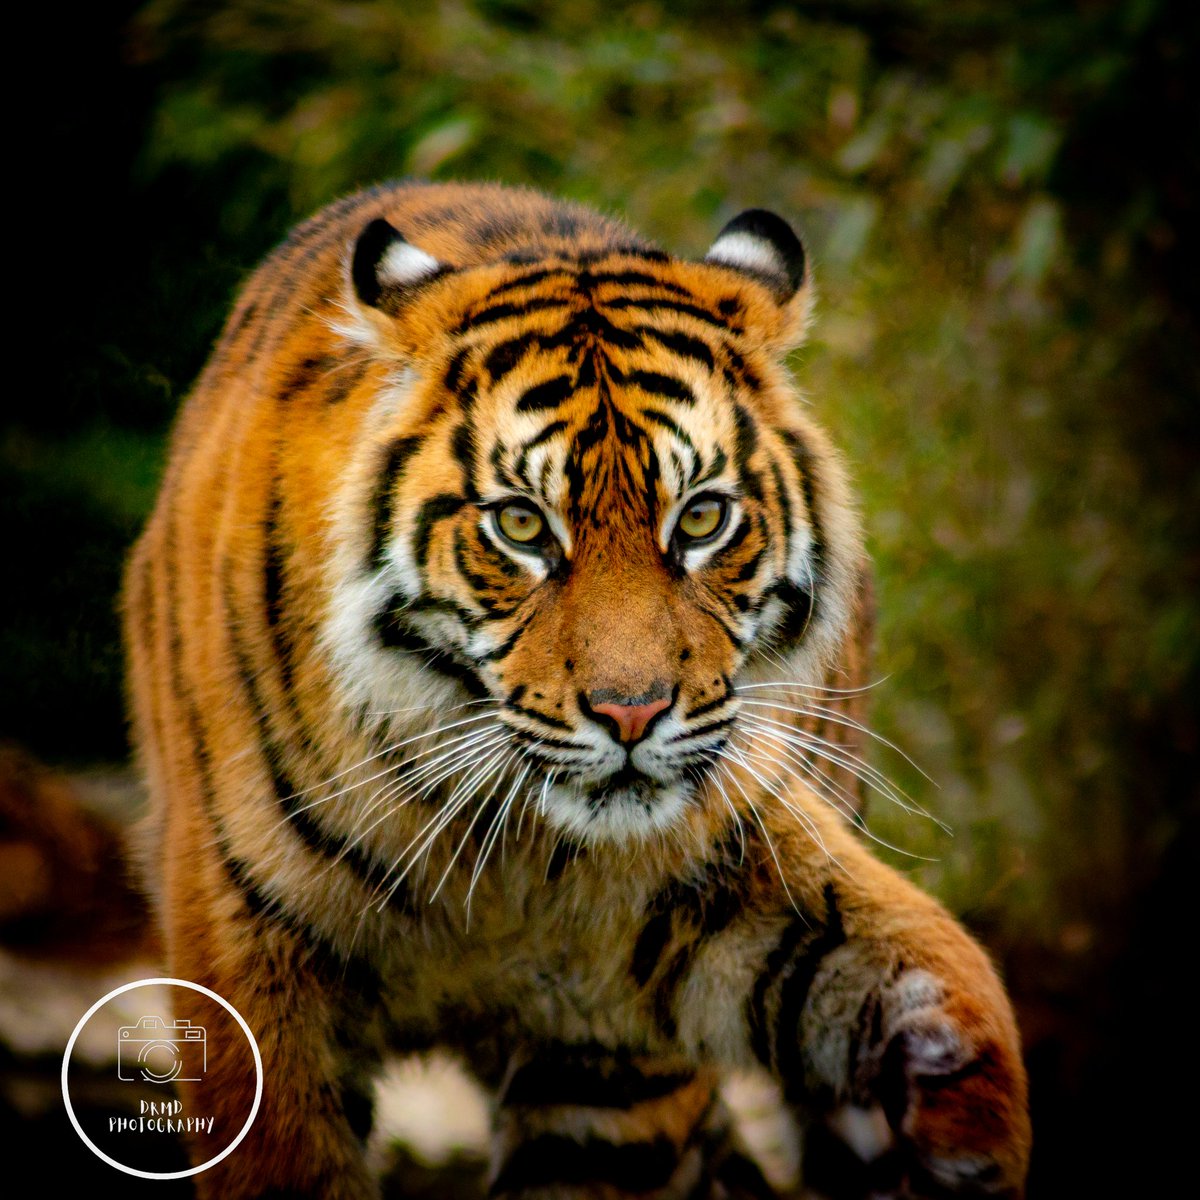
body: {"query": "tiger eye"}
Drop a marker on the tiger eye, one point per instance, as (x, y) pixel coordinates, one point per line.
(702, 518)
(520, 524)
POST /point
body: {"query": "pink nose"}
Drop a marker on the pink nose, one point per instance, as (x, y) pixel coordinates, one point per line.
(632, 719)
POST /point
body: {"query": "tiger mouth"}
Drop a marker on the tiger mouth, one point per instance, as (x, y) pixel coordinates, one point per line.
(628, 785)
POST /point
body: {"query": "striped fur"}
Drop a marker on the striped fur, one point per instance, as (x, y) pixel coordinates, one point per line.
(392, 807)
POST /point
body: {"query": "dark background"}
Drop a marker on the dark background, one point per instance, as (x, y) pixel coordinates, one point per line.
(1000, 201)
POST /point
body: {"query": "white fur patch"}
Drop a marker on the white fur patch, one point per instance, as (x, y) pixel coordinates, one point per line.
(404, 264)
(865, 1130)
(619, 820)
(745, 252)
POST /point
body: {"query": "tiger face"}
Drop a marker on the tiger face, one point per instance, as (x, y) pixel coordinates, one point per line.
(597, 505)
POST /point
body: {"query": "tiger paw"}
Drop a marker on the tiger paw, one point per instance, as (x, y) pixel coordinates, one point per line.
(919, 1091)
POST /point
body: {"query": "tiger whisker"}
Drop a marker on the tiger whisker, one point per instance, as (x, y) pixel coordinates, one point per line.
(529, 796)
(391, 712)
(389, 792)
(402, 778)
(803, 817)
(489, 839)
(796, 685)
(459, 798)
(837, 756)
(840, 756)
(446, 813)
(443, 752)
(724, 766)
(827, 781)
(385, 751)
(821, 712)
(700, 779)
(820, 778)
(481, 804)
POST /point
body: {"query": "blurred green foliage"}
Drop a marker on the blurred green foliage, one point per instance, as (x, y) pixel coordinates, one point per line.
(1000, 206)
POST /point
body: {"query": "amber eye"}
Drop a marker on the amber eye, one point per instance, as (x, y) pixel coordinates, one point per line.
(520, 523)
(702, 519)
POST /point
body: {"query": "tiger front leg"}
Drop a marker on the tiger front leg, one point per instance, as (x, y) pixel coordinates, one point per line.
(889, 1030)
(309, 1017)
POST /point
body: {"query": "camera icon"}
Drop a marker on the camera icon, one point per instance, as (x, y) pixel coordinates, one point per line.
(154, 1052)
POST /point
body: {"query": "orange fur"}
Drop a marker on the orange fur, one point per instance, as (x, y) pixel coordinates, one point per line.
(331, 647)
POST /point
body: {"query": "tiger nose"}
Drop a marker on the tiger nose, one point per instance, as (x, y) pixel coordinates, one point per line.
(631, 719)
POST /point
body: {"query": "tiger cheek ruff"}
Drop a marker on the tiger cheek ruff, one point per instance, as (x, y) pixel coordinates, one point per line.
(492, 650)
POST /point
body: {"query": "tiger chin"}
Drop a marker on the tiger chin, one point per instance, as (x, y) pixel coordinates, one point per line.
(496, 651)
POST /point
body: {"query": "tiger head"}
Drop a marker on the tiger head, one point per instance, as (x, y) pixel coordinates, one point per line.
(594, 503)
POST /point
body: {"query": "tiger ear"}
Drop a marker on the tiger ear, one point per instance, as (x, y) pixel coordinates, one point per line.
(763, 246)
(385, 268)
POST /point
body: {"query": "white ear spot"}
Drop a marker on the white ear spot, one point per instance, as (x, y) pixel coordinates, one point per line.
(404, 264)
(763, 245)
(745, 252)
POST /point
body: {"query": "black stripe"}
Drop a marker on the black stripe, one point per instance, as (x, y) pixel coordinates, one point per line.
(711, 705)
(590, 324)
(588, 1076)
(358, 1106)
(805, 462)
(624, 250)
(798, 609)
(661, 418)
(535, 741)
(554, 1159)
(793, 993)
(273, 592)
(396, 459)
(506, 647)
(396, 634)
(681, 344)
(738, 373)
(652, 304)
(436, 508)
(731, 633)
(756, 1004)
(555, 427)
(785, 505)
(710, 727)
(343, 380)
(749, 568)
(546, 395)
(369, 872)
(540, 717)
(358, 973)
(648, 948)
(501, 312)
(507, 355)
(632, 279)
(441, 604)
(746, 444)
(668, 984)
(462, 448)
(666, 386)
(454, 370)
(706, 903)
(304, 374)
(526, 280)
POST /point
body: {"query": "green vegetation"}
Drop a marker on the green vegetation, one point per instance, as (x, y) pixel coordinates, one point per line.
(999, 203)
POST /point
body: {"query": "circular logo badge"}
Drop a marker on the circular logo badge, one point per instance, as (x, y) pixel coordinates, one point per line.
(156, 1065)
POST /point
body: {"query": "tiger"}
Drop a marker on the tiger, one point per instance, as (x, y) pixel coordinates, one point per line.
(492, 653)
